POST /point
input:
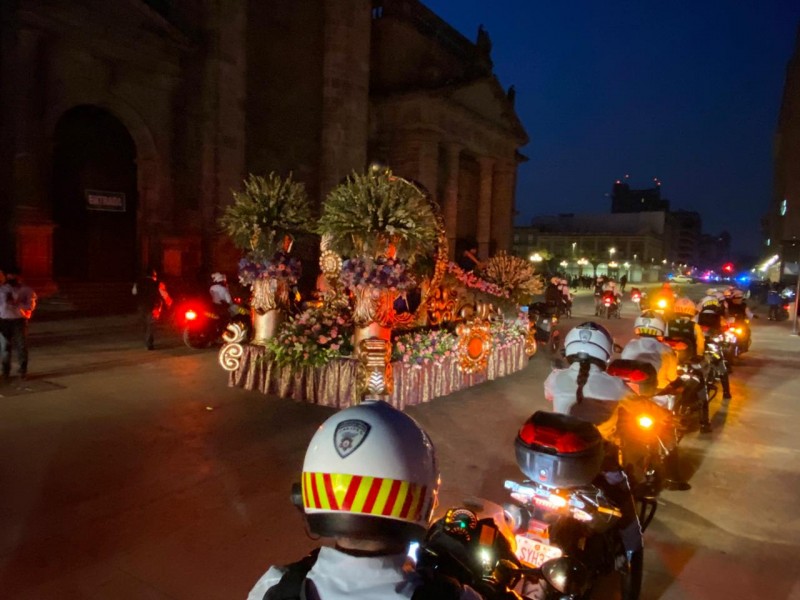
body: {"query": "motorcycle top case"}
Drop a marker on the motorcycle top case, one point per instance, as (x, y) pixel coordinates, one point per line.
(558, 450)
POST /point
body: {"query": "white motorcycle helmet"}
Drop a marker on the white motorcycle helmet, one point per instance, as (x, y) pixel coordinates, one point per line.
(649, 326)
(370, 472)
(218, 277)
(589, 341)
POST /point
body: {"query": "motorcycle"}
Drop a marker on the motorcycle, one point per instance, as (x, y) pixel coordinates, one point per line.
(202, 326)
(647, 428)
(542, 318)
(639, 298)
(473, 543)
(694, 389)
(738, 337)
(569, 506)
(610, 305)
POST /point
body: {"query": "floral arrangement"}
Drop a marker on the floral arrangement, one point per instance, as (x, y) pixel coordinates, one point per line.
(423, 348)
(313, 338)
(367, 214)
(269, 211)
(472, 281)
(507, 333)
(514, 275)
(383, 272)
(281, 267)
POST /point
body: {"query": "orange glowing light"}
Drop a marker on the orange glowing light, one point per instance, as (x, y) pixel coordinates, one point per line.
(645, 421)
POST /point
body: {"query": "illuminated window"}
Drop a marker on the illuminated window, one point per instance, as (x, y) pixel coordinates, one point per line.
(783, 206)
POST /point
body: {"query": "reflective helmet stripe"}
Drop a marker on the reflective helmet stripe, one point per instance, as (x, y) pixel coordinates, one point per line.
(366, 495)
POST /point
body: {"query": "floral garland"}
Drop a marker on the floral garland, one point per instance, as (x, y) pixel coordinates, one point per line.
(282, 266)
(313, 338)
(384, 273)
(423, 348)
(507, 333)
(474, 282)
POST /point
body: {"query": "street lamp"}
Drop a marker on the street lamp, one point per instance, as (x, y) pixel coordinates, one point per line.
(536, 257)
(611, 252)
(574, 244)
(563, 263)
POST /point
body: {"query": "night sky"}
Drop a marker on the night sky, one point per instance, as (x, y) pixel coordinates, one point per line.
(686, 91)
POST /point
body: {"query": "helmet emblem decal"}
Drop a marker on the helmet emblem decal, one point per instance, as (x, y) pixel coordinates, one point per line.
(349, 435)
(585, 335)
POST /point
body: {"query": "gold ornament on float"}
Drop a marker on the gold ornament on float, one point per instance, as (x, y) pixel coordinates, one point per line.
(375, 379)
(531, 345)
(474, 346)
(230, 356)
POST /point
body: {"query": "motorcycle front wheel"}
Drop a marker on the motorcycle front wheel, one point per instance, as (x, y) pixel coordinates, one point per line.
(197, 339)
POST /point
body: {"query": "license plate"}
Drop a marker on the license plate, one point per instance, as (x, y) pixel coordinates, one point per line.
(534, 552)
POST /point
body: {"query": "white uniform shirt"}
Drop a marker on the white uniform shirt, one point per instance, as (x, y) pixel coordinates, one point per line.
(341, 576)
(220, 294)
(561, 388)
(661, 356)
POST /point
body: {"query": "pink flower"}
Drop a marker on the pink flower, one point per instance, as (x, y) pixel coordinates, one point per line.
(335, 346)
(323, 340)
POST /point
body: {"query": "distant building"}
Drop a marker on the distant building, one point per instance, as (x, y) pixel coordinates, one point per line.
(125, 125)
(626, 200)
(783, 219)
(682, 236)
(597, 244)
(714, 251)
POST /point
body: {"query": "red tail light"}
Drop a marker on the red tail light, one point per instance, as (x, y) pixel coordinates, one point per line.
(636, 297)
(190, 315)
(627, 373)
(607, 302)
(785, 307)
(561, 441)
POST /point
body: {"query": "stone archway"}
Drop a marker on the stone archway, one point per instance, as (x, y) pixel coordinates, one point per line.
(94, 193)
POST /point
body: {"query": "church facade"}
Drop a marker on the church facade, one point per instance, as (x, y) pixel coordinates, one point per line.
(126, 124)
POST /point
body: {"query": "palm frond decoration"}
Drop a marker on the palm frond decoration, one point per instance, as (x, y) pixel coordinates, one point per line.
(268, 209)
(368, 213)
(513, 274)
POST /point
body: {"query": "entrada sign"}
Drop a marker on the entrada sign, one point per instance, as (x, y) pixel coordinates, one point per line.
(107, 201)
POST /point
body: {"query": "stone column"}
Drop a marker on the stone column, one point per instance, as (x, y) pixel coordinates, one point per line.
(415, 155)
(486, 165)
(345, 90)
(450, 200)
(503, 179)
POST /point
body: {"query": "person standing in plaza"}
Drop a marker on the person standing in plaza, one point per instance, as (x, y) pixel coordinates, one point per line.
(152, 296)
(17, 303)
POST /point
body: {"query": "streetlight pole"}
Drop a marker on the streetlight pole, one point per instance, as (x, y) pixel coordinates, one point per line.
(796, 301)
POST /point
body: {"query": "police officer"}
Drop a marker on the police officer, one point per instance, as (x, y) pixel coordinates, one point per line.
(587, 392)
(370, 481)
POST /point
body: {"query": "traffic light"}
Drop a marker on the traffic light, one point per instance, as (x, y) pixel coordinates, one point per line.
(727, 268)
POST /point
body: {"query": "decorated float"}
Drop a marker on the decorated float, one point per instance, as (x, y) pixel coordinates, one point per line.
(393, 318)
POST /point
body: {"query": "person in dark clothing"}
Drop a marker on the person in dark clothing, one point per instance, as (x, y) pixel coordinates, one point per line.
(152, 297)
(623, 281)
(774, 301)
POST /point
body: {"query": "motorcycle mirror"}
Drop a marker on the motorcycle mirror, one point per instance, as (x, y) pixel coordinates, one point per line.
(567, 576)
